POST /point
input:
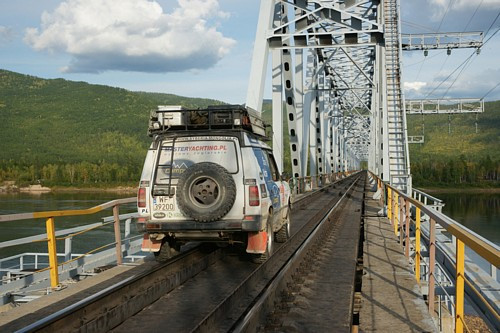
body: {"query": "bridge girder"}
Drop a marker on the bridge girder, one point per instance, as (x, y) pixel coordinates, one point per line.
(330, 72)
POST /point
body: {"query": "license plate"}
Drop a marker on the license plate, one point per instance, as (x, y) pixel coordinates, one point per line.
(165, 204)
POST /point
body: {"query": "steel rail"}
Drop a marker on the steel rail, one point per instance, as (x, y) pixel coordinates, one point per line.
(259, 273)
(105, 292)
(244, 321)
(53, 318)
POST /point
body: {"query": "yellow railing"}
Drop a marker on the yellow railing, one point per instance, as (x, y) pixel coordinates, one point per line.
(50, 216)
(398, 212)
(300, 185)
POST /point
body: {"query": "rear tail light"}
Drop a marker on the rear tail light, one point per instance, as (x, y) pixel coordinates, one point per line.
(141, 197)
(253, 195)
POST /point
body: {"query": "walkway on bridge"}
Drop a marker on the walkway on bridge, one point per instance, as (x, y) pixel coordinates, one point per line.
(391, 297)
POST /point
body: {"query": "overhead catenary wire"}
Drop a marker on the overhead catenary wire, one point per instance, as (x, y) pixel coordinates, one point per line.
(470, 59)
(429, 57)
(489, 91)
(420, 69)
(444, 15)
(466, 61)
(453, 72)
(444, 63)
(491, 25)
(416, 25)
(473, 14)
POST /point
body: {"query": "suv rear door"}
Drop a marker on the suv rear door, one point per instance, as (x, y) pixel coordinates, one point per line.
(187, 151)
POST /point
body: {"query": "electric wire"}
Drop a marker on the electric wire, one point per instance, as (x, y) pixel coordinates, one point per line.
(444, 15)
(453, 72)
(489, 91)
(492, 23)
(416, 25)
(466, 63)
(442, 66)
(473, 14)
(470, 59)
(429, 57)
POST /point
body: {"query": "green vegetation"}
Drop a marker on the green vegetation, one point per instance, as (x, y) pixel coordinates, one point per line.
(460, 157)
(61, 132)
(74, 133)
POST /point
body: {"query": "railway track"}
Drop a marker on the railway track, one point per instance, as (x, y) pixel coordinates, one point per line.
(219, 289)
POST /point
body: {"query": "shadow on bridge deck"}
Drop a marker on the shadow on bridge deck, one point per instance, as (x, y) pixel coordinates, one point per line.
(391, 297)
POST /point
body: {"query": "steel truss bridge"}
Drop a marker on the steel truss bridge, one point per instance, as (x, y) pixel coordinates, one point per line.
(336, 68)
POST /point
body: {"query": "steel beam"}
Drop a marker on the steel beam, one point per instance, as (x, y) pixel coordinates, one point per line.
(446, 40)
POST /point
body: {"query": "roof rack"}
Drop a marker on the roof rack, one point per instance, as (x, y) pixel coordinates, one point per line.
(175, 118)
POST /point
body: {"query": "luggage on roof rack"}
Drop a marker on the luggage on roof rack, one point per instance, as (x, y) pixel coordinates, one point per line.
(173, 118)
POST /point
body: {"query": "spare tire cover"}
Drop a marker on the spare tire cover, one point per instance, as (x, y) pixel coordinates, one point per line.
(206, 192)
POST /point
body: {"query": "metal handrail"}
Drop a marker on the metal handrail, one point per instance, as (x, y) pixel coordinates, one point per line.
(398, 211)
(485, 248)
(69, 212)
(428, 196)
(51, 234)
(297, 184)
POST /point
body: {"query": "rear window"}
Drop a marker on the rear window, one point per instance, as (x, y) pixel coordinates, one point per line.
(189, 151)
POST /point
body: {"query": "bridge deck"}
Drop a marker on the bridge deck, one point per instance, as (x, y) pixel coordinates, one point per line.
(391, 298)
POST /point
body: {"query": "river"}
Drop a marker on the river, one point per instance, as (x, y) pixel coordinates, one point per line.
(25, 203)
(478, 212)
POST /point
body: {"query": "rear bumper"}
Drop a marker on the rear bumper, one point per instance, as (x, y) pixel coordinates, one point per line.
(225, 225)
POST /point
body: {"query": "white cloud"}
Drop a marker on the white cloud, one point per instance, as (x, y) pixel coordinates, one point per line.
(415, 86)
(6, 34)
(441, 6)
(132, 35)
(464, 4)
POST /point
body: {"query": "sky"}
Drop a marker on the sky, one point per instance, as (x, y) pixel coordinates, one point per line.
(203, 48)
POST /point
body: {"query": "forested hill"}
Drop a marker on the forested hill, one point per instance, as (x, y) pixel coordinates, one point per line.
(60, 131)
(64, 132)
(453, 153)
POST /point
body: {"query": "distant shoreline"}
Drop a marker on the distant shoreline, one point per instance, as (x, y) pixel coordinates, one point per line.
(460, 190)
(133, 189)
(36, 190)
(118, 189)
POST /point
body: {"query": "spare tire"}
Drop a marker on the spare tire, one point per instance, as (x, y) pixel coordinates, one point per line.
(206, 192)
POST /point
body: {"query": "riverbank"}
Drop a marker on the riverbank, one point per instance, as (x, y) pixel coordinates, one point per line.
(117, 189)
(471, 190)
(10, 188)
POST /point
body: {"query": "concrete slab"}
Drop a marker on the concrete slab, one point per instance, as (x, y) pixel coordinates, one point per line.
(391, 298)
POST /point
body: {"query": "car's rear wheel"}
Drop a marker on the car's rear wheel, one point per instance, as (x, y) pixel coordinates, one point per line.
(283, 234)
(165, 253)
(169, 248)
(260, 258)
(206, 192)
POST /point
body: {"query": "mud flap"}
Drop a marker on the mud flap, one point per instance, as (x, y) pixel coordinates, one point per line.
(257, 242)
(150, 245)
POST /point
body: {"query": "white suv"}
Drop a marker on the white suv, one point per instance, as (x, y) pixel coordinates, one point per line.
(208, 176)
